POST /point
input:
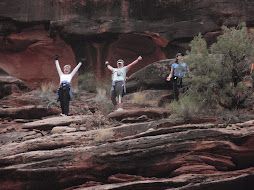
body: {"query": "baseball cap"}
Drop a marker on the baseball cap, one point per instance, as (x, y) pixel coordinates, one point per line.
(179, 54)
(120, 61)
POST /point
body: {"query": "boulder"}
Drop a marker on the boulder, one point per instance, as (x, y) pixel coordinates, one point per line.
(27, 112)
(152, 76)
(49, 123)
(9, 84)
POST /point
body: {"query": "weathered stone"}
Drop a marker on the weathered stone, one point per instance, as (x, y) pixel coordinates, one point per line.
(148, 112)
(142, 118)
(30, 56)
(106, 30)
(62, 129)
(49, 123)
(221, 181)
(152, 76)
(9, 84)
(26, 112)
(68, 159)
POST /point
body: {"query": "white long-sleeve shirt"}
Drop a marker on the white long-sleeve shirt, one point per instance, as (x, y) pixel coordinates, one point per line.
(66, 77)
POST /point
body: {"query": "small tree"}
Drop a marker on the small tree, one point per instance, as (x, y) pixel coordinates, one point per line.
(218, 73)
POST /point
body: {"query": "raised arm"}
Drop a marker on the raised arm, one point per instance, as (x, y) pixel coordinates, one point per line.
(134, 62)
(75, 69)
(109, 67)
(82, 60)
(58, 66)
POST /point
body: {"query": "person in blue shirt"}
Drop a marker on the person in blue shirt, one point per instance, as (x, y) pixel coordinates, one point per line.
(177, 72)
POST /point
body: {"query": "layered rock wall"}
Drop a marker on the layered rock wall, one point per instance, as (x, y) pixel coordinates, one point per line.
(32, 32)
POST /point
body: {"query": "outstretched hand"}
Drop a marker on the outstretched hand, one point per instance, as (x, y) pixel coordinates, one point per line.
(56, 57)
(139, 58)
(82, 60)
(169, 78)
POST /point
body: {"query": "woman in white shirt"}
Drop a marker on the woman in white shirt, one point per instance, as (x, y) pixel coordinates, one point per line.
(64, 93)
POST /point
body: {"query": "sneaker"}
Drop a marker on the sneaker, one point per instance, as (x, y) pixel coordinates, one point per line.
(119, 109)
(62, 114)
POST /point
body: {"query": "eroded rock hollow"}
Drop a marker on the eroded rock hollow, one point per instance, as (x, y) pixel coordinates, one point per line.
(32, 32)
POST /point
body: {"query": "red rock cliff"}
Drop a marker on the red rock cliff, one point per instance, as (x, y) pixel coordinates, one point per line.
(32, 32)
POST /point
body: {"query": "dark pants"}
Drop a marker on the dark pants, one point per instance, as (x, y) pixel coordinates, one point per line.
(64, 97)
(177, 84)
(116, 91)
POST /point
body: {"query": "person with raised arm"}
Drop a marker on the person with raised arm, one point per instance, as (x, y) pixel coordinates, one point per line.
(64, 92)
(118, 81)
(178, 71)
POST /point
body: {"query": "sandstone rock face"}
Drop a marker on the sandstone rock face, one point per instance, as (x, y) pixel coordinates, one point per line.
(148, 112)
(197, 156)
(29, 56)
(32, 32)
(26, 112)
(9, 84)
(152, 76)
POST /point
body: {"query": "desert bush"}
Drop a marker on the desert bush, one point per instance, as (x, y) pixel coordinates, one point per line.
(87, 81)
(103, 135)
(186, 107)
(46, 95)
(98, 120)
(104, 102)
(139, 98)
(218, 72)
(104, 85)
(47, 87)
(232, 116)
(47, 98)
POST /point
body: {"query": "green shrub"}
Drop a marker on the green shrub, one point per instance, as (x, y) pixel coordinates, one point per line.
(186, 107)
(218, 72)
(87, 81)
(104, 102)
(232, 116)
(47, 98)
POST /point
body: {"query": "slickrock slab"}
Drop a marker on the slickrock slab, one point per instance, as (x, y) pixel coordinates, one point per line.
(62, 129)
(242, 179)
(49, 123)
(26, 112)
(70, 159)
(151, 113)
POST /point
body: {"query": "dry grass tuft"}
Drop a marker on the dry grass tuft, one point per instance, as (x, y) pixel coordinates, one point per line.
(47, 87)
(185, 107)
(103, 135)
(139, 98)
(103, 101)
(46, 95)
